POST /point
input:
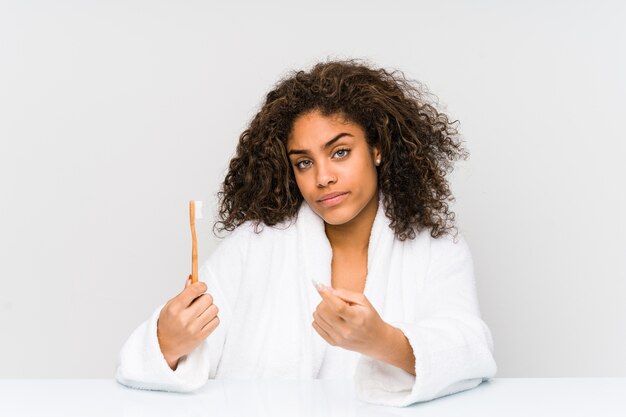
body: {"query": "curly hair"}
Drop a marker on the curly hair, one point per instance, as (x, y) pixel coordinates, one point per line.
(418, 145)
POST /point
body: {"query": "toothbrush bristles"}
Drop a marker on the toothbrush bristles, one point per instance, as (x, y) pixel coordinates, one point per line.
(198, 209)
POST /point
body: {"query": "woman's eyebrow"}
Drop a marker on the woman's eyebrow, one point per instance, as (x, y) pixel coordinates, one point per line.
(326, 145)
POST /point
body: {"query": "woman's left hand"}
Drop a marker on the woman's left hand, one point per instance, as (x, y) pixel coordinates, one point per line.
(347, 319)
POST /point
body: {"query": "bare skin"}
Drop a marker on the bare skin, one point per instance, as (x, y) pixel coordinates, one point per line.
(349, 270)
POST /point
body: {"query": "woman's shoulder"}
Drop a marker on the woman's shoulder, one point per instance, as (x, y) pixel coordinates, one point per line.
(449, 253)
(449, 245)
(249, 240)
(253, 231)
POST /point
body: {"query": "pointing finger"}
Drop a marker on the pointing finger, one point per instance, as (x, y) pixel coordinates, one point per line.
(336, 304)
(350, 296)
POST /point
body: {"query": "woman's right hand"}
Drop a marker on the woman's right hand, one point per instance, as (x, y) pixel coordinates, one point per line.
(185, 321)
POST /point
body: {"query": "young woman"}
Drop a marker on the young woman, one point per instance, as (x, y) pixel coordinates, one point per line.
(339, 178)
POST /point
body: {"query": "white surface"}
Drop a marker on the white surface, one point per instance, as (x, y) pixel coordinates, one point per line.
(510, 397)
(106, 106)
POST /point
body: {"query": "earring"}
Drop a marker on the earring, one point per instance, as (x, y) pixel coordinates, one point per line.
(377, 162)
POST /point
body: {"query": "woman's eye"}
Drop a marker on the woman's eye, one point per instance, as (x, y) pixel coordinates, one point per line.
(342, 153)
(303, 164)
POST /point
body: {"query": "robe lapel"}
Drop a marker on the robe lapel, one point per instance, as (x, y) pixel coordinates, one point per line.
(316, 255)
(379, 255)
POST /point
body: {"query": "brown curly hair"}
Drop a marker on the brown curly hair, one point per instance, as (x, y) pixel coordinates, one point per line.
(418, 145)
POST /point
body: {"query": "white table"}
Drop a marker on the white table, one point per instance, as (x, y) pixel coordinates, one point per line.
(502, 397)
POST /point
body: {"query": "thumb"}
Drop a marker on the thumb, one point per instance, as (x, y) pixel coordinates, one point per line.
(188, 282)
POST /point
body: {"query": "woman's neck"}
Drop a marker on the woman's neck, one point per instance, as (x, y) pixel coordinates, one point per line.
(353, 236)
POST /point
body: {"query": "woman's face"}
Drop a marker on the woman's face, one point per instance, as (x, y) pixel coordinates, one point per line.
(333, 166)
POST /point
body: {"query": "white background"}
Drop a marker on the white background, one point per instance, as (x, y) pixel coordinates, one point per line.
(114, 114)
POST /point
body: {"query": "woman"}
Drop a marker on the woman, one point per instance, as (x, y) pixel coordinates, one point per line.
(339, 178)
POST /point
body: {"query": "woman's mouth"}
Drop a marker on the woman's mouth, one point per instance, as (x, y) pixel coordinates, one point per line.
(332, 199)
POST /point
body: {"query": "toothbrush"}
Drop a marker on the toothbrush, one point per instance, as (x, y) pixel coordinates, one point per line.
(194, 213)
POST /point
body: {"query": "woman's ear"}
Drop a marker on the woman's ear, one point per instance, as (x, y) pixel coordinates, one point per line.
(377, 156)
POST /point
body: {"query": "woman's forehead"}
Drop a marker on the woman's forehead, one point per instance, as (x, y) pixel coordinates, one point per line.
(316, 129)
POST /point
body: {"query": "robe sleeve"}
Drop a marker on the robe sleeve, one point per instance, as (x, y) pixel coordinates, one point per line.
(453, 347)
(141, 363)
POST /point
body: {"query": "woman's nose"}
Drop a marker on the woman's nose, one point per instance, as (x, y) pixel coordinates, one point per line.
(325, 177)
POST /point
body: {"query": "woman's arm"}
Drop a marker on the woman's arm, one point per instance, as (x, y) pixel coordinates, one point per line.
(396, 350)
(452, 346)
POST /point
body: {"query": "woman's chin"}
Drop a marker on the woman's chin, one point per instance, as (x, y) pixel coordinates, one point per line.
(336, 217)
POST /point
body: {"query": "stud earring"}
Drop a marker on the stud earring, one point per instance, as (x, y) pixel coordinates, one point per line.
(377, 162)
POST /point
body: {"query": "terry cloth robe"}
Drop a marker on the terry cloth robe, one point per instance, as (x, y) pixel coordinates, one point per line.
(262, 286)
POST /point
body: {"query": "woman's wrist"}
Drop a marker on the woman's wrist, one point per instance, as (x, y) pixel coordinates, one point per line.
(172, 362)
(395, 350)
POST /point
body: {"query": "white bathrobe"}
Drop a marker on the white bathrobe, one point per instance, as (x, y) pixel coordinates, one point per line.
(262, 285)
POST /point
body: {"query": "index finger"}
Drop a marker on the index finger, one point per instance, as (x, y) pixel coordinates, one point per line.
(336, 304)
(192, 292)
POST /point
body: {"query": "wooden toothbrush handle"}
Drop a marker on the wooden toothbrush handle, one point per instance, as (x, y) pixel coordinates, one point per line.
(194, 243)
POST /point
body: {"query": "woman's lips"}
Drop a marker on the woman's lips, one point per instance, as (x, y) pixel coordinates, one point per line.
(334, 200)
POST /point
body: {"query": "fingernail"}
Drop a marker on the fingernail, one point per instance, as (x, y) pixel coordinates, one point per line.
(318, 285)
